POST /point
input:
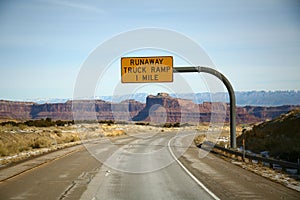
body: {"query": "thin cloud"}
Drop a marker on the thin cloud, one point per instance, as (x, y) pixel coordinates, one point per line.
(80, 6)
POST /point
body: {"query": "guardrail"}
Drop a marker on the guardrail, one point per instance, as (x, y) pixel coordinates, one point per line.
(251, 158)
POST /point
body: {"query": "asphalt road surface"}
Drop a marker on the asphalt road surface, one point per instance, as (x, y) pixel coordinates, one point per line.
(140, 167)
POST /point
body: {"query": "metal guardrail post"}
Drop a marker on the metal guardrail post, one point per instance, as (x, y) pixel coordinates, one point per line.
(230, 91)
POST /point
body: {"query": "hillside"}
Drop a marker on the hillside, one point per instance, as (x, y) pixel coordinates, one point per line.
(280, 137)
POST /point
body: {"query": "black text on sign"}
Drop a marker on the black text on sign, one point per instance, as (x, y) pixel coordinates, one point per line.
(147, 69)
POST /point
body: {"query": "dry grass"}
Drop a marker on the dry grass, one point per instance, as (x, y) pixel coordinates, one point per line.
(199, 139)
(115, 133)
(20, 142)
(218, 133)
(14, 140)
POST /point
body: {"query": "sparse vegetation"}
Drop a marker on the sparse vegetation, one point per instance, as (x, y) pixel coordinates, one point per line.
(199, 139)
(142, 123)
(17, 137)
(109, 122)
(14, 140)
(171, 125)
(39, 123)
(115, 133)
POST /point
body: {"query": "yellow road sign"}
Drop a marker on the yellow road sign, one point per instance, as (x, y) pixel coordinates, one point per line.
(147, 69)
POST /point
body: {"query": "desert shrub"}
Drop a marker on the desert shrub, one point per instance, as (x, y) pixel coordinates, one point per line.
(47, 122)
(23, 146)
(170, 125)
(167, 125)
(177, 124)
(108, 122)
(3, 149)
(39, 123)
(60, 123)
(66, 138)
(22, 126)
(199, 139)
(223, 144)
(63, 123)
(142, 123)
(115, 133)
(41, 142)
(9, 123)
(9, 149)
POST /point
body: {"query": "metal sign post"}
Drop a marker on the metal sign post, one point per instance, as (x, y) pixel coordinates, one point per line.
(230, 91)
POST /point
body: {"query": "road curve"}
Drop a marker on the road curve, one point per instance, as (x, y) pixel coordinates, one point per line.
(139, 168)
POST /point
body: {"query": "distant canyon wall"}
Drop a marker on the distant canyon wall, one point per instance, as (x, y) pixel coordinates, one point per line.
(161, 107)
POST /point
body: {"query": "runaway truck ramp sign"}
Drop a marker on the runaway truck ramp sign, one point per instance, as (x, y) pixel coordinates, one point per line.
(147, 69)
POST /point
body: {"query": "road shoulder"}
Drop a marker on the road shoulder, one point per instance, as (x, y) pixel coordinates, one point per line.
(229, 181)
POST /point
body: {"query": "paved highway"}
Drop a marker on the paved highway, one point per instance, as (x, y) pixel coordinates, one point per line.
(138, 168)
(148, 171)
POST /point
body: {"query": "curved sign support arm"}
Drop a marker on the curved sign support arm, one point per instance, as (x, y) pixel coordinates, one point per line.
(230, 91)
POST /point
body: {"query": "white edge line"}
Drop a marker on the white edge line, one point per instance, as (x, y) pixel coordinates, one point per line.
(190, 174)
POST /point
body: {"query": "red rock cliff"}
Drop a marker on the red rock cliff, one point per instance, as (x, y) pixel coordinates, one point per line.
(162, 107)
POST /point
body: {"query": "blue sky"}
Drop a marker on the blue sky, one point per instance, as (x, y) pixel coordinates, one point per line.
(43, 43)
